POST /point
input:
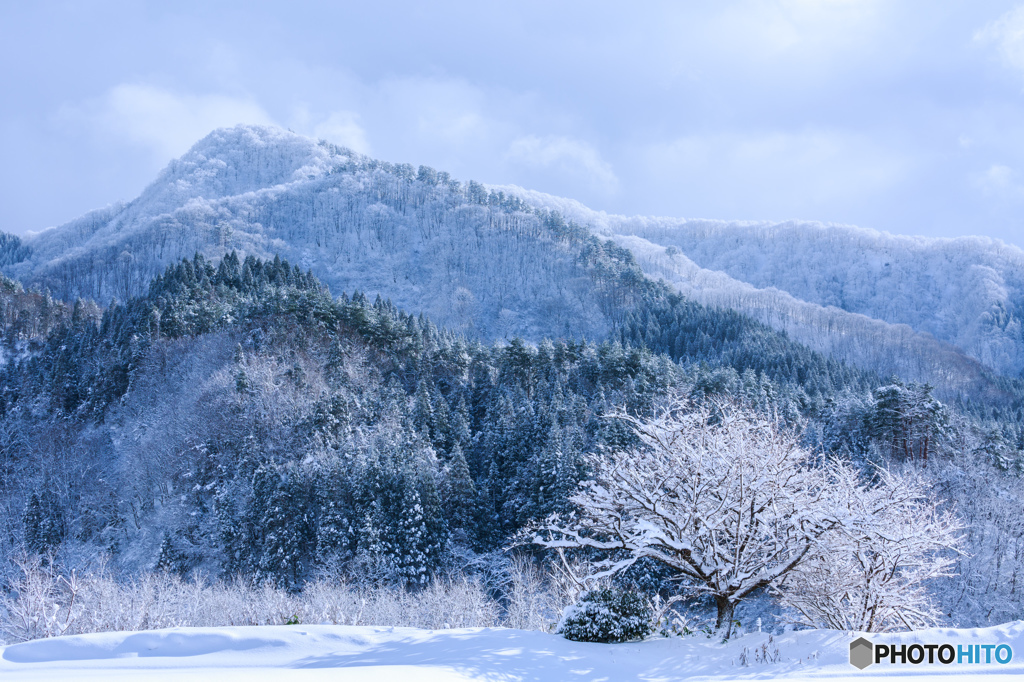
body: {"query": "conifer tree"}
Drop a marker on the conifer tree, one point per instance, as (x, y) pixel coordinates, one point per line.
(43, 522)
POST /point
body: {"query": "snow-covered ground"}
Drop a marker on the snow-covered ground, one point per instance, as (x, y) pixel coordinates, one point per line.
(322, 652)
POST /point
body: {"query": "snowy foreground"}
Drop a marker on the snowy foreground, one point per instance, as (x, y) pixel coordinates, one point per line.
(333, 652)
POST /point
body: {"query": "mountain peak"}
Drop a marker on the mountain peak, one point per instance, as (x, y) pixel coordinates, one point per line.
(232, 161)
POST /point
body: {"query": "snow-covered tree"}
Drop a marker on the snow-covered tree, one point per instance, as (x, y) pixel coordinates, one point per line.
(871, 575)
(171, 559)
(907, 420)
(44, 525)
(727, 499)
(283, 521)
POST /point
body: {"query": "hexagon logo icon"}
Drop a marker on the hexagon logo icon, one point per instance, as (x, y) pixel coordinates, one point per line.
(862, 653)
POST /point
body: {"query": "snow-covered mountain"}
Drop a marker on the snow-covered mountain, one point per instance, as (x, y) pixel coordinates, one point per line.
(967, 291)
(190, 428)
(934, 310)
(488, 266)
(825, 283)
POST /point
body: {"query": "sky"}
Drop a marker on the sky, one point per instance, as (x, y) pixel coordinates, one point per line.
(900, 115)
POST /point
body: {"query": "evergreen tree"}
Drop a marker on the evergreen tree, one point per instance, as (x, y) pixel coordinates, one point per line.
(171, 559)
(284, 523)
(459, 491)
(43, 522)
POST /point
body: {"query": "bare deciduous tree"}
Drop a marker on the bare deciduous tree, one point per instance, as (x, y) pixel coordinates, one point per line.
(727, 499)
(871, 574)
(734, 504)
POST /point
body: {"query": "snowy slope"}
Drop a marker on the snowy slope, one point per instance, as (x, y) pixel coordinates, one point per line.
(322, 652)
(857, 339)
(423, 242)
(968, 291)
(918, 307)
(937, 312)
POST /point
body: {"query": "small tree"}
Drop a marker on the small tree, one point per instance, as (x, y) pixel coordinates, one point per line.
(608, 615)
(44, 523)
(727, 499)
(871, 574)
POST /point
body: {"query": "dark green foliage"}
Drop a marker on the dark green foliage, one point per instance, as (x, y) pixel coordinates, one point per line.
(691, 333)
(907, 420)
(44, 523)
(81, 368)
(171, 559)
(608, 615)
(282, 520)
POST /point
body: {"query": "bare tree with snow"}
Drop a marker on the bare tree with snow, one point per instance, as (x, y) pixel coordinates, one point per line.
(729, 500)
(871, 574)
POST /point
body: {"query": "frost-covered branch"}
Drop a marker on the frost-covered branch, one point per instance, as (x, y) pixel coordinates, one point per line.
(728, 500)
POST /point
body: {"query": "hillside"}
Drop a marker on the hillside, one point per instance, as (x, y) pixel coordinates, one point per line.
(483, 264)
(210, 402)
(501, 262)
(960, 300)
(967, 291)
(186, 430)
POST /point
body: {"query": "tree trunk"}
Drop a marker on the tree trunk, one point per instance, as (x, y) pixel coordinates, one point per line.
(724, 620)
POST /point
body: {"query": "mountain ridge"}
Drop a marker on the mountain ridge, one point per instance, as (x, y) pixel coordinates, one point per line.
(764, 256)
(482, 260)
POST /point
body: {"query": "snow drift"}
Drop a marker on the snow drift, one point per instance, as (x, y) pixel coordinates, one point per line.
(345, 652)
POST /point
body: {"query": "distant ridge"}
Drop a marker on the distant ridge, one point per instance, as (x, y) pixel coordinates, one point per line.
(803, 276)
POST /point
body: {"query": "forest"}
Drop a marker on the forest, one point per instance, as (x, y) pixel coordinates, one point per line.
(287, 369)
(239, 422)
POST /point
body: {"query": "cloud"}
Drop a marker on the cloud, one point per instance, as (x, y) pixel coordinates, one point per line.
(442, 111)
(768, 29)
(1007, 35)
(341, 127)
(564, 155)
(164, 122)
(773, 173)
(999, 180)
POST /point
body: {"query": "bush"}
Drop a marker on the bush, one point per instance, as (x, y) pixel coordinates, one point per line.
(607, 615)
(43, 602)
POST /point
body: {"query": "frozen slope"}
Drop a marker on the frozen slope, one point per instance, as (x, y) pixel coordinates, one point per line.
(323, 652)
(967, 291)
(884, 347)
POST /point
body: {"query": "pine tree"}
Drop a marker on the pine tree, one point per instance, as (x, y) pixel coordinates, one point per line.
(234, 540)
(44, 523)
(284, 521)
(170, 559)
(335, 534)
(459, 490)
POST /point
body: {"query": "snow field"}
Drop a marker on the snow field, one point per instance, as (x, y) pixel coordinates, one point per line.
(382, 654)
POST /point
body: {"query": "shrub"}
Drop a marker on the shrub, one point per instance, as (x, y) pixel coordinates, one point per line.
(607, 615)
(43, 602)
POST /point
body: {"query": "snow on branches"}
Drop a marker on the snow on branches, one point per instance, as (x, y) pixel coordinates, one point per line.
(729, 500)
(871, 574)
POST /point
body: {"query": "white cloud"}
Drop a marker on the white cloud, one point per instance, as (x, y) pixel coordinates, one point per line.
(564, 155)
(764, 28)
(776, 174)
(341, 127)
(165, 122)
(1007, 35)
(999, 180)
(439, 110)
